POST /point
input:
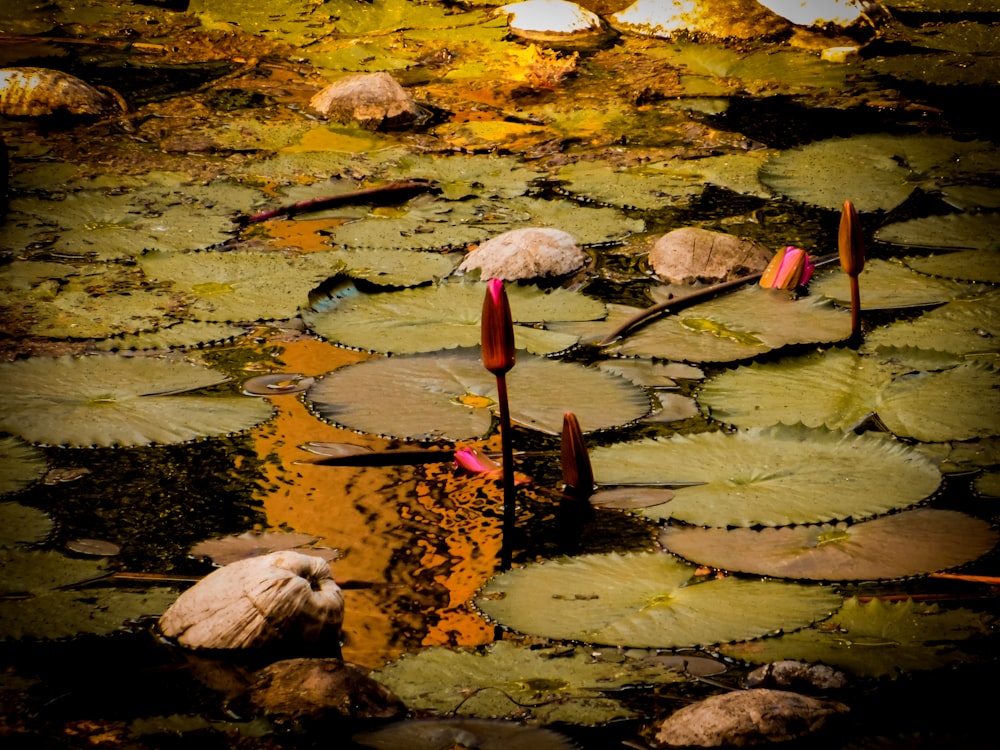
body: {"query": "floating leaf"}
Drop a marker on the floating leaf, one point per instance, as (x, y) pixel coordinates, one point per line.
(958, 231)
(648, 187)
(469, 176)
(449, 395)
(646, 600)
(229, 549)
(109, 400)
(397, 267)
(960, 403)
(241, 285)
(771, 477)
(967, 265)
(21, 465)
(910, 543)
(41, 609)
(21, 524)
(551, 684)
(185, 334)
(876, 639)
(737, 326)
(429, 734)
(887, 285)
(447, 316)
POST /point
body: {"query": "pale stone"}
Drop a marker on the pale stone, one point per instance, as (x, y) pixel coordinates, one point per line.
(841, 54)
(746, 717)
(552, 20)
(723, 19)
(372, 99)
(689, 255)
(816, 12)
(282, 597)
(530, 253)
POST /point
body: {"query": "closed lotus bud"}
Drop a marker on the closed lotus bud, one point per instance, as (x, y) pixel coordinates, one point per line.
(850, 241)
(576, 469)
(788, 269)
(497, 329)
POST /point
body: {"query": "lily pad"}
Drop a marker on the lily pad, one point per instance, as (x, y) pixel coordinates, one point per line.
(898, 545)
(230, 549)
(966, 265)
(958, 231)
(738, 326)
(22, 524)
(397, 267)
(21, 465)
(241, 285)
(36, 607)
(771, 477)
(469, 175)
(109, 400)
(446, 316)
(888, 285)
(646, 187)
(877, 639)
(502, 680)
(646, 600)
(429, 734)
(450, 395)
(875, 171)
(183, 334)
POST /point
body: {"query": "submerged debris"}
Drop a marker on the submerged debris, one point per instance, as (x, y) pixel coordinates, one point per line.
(37, 92)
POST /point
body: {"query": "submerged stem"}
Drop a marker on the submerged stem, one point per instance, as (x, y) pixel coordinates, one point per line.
(509, 487)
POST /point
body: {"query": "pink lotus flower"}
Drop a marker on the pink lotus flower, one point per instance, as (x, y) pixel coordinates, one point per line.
(497, 330)
(788, 269)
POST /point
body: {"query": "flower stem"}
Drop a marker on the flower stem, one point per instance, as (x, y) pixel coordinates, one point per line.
(509, 487)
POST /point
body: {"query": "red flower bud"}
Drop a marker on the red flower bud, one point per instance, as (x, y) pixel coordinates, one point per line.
(497, 329)
(788, 269)
(850, 241)
(576, 469)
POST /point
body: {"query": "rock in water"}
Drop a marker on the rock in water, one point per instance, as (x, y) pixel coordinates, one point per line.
(39, 92)
(282, 597)
(374, 100)
(746, 717)
(529, 253)
(692, 254)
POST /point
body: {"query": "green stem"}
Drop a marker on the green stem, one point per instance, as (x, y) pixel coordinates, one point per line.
(509, 488)
(855, 306)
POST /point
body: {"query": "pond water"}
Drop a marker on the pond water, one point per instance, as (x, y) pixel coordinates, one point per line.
(617, 144)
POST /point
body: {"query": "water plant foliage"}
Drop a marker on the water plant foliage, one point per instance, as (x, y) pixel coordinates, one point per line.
(897, 545)
(21, 464)
(646, 600)
(448, 395)
(111, 400)
(771, 476)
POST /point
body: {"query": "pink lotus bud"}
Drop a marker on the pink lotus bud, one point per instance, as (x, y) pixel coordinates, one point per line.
(788, 269)
(497, 329)
(576, 469)
(475, 461)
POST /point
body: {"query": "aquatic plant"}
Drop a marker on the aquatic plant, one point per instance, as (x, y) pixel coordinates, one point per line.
(852, 258)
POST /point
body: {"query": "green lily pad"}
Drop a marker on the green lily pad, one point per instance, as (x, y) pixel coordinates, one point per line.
(469, 175)
(771, 477)
(397, 267)
(109, 400)
(21, 465)
(22, 524)
(241, 285)
(958, 231)
(646, 187)
(875, 171)
(503, 680)
(646, 600)
(446, 316)
(877, 639)
(738, 326)
(966, 265)
(889, 284)
(960, 403)
(429, 734)
(35, 606)
(898, 545)
(185, 334)
(450, 395)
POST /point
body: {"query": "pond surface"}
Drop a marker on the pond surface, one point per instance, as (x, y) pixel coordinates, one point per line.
(618, 145)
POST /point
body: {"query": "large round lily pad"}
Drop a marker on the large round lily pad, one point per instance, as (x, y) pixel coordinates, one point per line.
(738, 326)
(910, 543)
(447, 316)
(450, 395)
(646, 600)
(110, 400)
(773, 476)
(886, 285)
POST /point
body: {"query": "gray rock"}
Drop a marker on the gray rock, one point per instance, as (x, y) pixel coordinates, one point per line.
(374, 100)
(528, 253)
(746, 717)
(692, 255)
(796, 675)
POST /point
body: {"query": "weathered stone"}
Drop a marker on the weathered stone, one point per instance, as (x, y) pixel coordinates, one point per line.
(796, 675)
(722, 19)
(282, 597)
(374, 100)
(746, 717)
(697, 255)
(559, 22)
(37, 92)
(529, 253)
(321, 689)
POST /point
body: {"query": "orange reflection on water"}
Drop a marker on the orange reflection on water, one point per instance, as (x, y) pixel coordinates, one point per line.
(426, 538)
